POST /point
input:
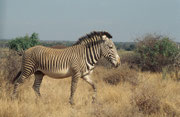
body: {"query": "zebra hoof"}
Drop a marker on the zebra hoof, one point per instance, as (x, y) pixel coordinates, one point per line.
(71, 102)
(93, 99)
(14, 96)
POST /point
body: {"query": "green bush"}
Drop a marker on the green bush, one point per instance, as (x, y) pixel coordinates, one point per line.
(23, 43)
(156, 52)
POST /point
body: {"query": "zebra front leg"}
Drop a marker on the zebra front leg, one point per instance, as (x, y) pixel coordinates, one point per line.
(37, 82)
(89, 81)
(73, 87)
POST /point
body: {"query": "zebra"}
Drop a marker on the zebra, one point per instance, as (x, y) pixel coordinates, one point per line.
(77, 61)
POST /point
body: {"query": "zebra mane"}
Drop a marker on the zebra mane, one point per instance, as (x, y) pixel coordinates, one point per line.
(92, 37)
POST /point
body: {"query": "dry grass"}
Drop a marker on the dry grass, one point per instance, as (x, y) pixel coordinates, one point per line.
(151, 97)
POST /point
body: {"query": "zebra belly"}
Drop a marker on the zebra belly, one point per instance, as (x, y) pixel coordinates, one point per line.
(57, 74)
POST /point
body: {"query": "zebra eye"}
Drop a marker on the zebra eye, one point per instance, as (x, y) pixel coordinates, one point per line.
(110, 46)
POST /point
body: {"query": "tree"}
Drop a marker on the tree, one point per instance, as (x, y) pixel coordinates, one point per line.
(23, 43)
(34, 39)
(156, 52)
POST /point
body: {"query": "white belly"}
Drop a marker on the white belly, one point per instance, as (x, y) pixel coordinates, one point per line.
(58, 74)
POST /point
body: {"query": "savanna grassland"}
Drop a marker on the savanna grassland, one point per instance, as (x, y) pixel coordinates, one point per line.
(121, 92)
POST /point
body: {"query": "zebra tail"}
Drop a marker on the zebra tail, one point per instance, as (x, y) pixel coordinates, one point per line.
(16, 77)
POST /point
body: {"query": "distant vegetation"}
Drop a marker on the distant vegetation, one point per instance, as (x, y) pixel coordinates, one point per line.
(55, 43)
(3, 43)
(128, 46)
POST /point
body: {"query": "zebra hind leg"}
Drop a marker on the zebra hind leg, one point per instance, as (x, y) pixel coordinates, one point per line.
(28, 68)
(19, 81)
(16, 77)
(37, 82)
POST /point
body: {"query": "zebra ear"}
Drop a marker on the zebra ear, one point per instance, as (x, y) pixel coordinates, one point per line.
(104, 37)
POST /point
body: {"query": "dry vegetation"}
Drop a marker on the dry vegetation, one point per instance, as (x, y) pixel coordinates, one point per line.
(121, 92)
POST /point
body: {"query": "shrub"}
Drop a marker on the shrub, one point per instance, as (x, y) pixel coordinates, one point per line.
(105, 63)
(10, 64)
(121, 74)
(156, 52)
(131, 59)
(23, 43)
(147, 99)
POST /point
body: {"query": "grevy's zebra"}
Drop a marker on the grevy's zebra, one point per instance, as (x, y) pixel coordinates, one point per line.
(77, 61)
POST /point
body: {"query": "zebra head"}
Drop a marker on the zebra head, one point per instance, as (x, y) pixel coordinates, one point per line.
(109, 51)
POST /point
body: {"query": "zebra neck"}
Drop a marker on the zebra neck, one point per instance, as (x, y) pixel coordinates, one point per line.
(93, 54)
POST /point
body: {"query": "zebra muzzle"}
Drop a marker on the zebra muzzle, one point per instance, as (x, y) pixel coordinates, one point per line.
(119, 62)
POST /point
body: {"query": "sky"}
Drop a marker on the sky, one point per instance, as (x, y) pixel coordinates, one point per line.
(60, 20)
